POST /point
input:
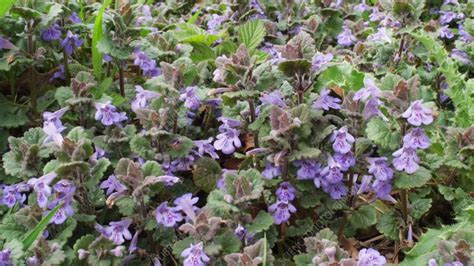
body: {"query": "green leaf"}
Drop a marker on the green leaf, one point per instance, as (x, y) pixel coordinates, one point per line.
(11, 229)
(54, 10)
(419, 207)
(38, 230)
(126, 206)
(180, 146)
(96, 37)
(5, 6)
(84, 242)
(206, 173)
(388, 225)
(262, 222)
(295, 67)
(220, 207)
(252, 33)
(141, 146)
(229, 242)
(12, 114)
(417, 179)
(364, 217)
(152, 168)
(305, 153)
(202, 52)
(301, 227)
(181, 245)
(379, 132)
(343, 75)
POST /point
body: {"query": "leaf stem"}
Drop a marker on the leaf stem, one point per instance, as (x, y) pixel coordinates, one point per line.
(121, 80)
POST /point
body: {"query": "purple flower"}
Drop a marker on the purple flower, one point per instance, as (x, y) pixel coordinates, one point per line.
(371, 109)
(116, 232)
(99, 153)
(336, 190)
(42, 188)
(118, 251)
(146, 64)
(53, 134)
(5, 44)
(381, 36)
(377, 15)
(195, 255)
(240, 232)
(446, 17)
(369, 90)
(134, 243)
(228, 122)
(190, 98)
(183, 163)
(71, 42)
(106, 113)
(464, 36)
(345, 38)
(143, 98)
(332, 172)
(271, 171)
(320, 61)
(167, 216)
(274, 98)
(445, 32)
(13, 194)
(107, 58)
(380, 168)
(461, 56)
(307, 169)
(60, 74)
(342, 140)
(417, 114)
(365, 184)
(286, 192)
(406, 159)
(215, 22)
(112, 184)
(64, 191)
(370, 257)
(383, 189)
(186, 203)
(260, 13)
(361, 7)
(275, 55)
(52, 33)
(75, 18)
(205, 146)
(228, 140)
(5, 257)
(346, 160)
(325, 101)
(63, 213)
(281, 211)
(454, 2)
(55, 117)
(416, 138)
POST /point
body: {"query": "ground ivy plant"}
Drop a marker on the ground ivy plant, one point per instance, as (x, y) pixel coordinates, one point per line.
(237, 132)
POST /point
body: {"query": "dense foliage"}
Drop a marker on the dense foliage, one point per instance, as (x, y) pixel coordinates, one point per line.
(237, 132)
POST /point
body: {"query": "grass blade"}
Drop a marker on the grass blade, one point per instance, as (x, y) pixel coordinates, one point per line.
(38, 230)
(96, 36)
(5, 6)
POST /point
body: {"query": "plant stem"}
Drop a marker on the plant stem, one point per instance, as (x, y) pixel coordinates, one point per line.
(404, 199)
(121, 80)
(252, 119)
(66, 67)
